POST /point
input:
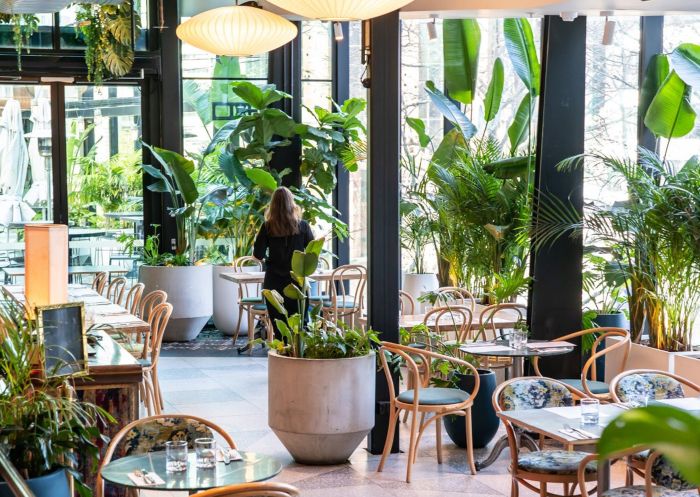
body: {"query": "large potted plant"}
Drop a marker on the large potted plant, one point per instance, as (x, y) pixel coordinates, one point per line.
(44, 431)
(321, 379)
(187, 282)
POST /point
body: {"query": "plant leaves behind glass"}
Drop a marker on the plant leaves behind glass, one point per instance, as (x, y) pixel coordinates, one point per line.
(686, 62)
(519, 130)
(450, 110)
(522, 51)
(256, 97)
(657, 72)
(510, 168)
(461, 43)
(670, 114)
(673, 432)
(418, 125)
(449, 148)
(494, 93)
(262, 178)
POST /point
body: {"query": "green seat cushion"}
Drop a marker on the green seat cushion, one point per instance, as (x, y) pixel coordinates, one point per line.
(342, 303)
(435, 396)
(594, 386)
(260, 307)
(554, 462)
(251, 300)
(144, 362)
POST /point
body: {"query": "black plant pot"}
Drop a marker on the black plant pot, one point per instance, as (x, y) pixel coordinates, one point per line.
(616, 320)
(50, 485)
(484, 420)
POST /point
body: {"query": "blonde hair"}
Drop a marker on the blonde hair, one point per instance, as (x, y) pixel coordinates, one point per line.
(283, 215)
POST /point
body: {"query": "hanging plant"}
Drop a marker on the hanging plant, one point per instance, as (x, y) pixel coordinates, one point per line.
(23, 27)
(107, 32)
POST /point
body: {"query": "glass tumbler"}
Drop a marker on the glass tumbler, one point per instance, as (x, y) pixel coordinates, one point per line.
(205, 450)
(176, 456)
(590, 411)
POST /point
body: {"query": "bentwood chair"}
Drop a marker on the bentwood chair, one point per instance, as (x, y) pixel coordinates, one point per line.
(488, 331)
(344, 306)
(588, 384)
(451, 322)
(536, 470)
(407, 304)
(115, 290)
(150, 387)
(451, 295)
(652, 385)
(250, 300)
(100, 281)
(263, 489)
(145, 307)
(133, 298)
(150, 434)
(425, 401)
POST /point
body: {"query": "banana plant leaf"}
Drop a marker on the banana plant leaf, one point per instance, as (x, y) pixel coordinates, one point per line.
(686, 62)
(261, 178)
(461, 44)
(519, 130)
(670, 114)
(656, 74)
(450, 145)
(494, 93)
(418, 125)
(233, 169)
(451, 111)
(510, 168)
(522, 51)
(180, 169)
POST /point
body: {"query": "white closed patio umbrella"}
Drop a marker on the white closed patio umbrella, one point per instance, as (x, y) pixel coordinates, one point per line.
(41, 129)
(14, 158)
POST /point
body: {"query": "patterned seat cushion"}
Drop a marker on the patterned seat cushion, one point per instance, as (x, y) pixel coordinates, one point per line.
(152, 435)
(665, 475)
(435, 396)
(650, 385)
(554, 462)
(597, 387)
(535, 394)
(639, 491)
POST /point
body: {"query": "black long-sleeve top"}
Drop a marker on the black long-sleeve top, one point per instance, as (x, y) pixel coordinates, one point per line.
(277, 253)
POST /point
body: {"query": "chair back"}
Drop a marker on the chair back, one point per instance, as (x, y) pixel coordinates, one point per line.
(150, 434)
(407, 305)
(532, 392)
(450, 295)
(652, 384)
(343, 303)
(115, 290)
(100, 281)
(133, 298)
(150, 301)
(157, 321)
(261, 489)
(488, 317)
(455, 319)
(247, 290)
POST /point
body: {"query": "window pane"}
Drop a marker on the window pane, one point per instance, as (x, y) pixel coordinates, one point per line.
(316, 46)
(315, 94)
(40, 39)
(70, 38)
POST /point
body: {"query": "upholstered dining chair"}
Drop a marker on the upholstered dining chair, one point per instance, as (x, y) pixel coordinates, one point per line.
(652, 385)
(407, 304)
(588, 384)
(133, 298)
(488, 331)
(425, 401)
(250, 300)
(343, 305)
(151, 392)
(536, 470)
(150, 434)
(451, 295)
(115, 290)
(99, 283)
(263, 489)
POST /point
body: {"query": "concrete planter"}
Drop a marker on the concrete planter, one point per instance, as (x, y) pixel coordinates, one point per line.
(226, 314)
(189, 290)
(321, 409)
(417, 285)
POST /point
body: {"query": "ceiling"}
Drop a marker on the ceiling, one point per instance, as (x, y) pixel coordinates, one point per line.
(500, 8)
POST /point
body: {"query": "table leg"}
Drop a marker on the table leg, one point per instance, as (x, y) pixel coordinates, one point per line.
(518, 367)
(603, 476)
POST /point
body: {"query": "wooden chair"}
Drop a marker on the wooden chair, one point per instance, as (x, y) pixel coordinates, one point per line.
(488, 331)
(407, 304)
(133, 298)
(151, 392)
(588, 384)
(250, 303)
(535, 470)
(145, 307)
(115, 290)
(424, 401)
(343, 305)
(100, 281)
(453, 320)
(653, 385)
(264, 489)
(150, 434)
(449, 295)
(321, 292)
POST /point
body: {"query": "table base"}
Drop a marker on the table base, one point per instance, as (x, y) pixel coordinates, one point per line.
(502, 444)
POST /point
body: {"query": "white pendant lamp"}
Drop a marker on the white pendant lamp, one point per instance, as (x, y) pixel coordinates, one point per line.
(238, 30)
(340, 10)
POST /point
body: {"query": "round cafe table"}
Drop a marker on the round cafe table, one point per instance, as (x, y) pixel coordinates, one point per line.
(253, 467)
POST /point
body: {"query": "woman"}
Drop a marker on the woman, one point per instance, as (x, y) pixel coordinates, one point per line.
(281, 234)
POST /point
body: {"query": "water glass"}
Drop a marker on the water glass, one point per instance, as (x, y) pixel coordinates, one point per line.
(176, 456)
(205, 450)
(518, 339)
(590, 411)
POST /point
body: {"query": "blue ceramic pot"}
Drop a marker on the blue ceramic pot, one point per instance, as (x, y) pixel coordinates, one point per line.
(50, 485)
(617, 320)
(484, 420)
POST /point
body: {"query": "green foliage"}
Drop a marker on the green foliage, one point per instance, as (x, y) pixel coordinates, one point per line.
(451, 111)
(673, 432)
(23, 27)
(41, 426)
(604, 284)
(460, 45)
(523, 53)
(492, 100)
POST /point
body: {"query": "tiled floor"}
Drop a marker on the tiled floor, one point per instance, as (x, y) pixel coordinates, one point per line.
(232, 392)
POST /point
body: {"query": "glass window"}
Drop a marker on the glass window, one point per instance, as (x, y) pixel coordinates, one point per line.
(316, 67)
(42, 38)
(71, 39)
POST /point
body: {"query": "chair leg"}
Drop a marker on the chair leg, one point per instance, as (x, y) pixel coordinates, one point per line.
(157, 389)
(251, 329)
(543, 489)
(393, 417)
(566, 489)
(629, 477)
(238, 324)
(470, 442)
(412, 449)
(514, 488)
(438, 439)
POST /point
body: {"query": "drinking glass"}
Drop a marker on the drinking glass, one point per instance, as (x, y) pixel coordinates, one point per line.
(205, 450)
(590, 411)
(175, 456)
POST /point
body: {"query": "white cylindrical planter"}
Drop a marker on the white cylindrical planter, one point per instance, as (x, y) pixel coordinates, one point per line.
(189, 290)
(226, 313)
(321, 409)
(417, 285)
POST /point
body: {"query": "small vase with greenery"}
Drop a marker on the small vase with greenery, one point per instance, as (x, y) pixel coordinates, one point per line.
(42, 427)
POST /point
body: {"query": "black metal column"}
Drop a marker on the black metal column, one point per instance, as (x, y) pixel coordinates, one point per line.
(555, 298)
(284, 71)
(384, 271)
(651, 43)
(341, 92)
(58, 154)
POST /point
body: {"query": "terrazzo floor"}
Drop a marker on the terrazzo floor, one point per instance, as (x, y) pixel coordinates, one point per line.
(232, 392)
